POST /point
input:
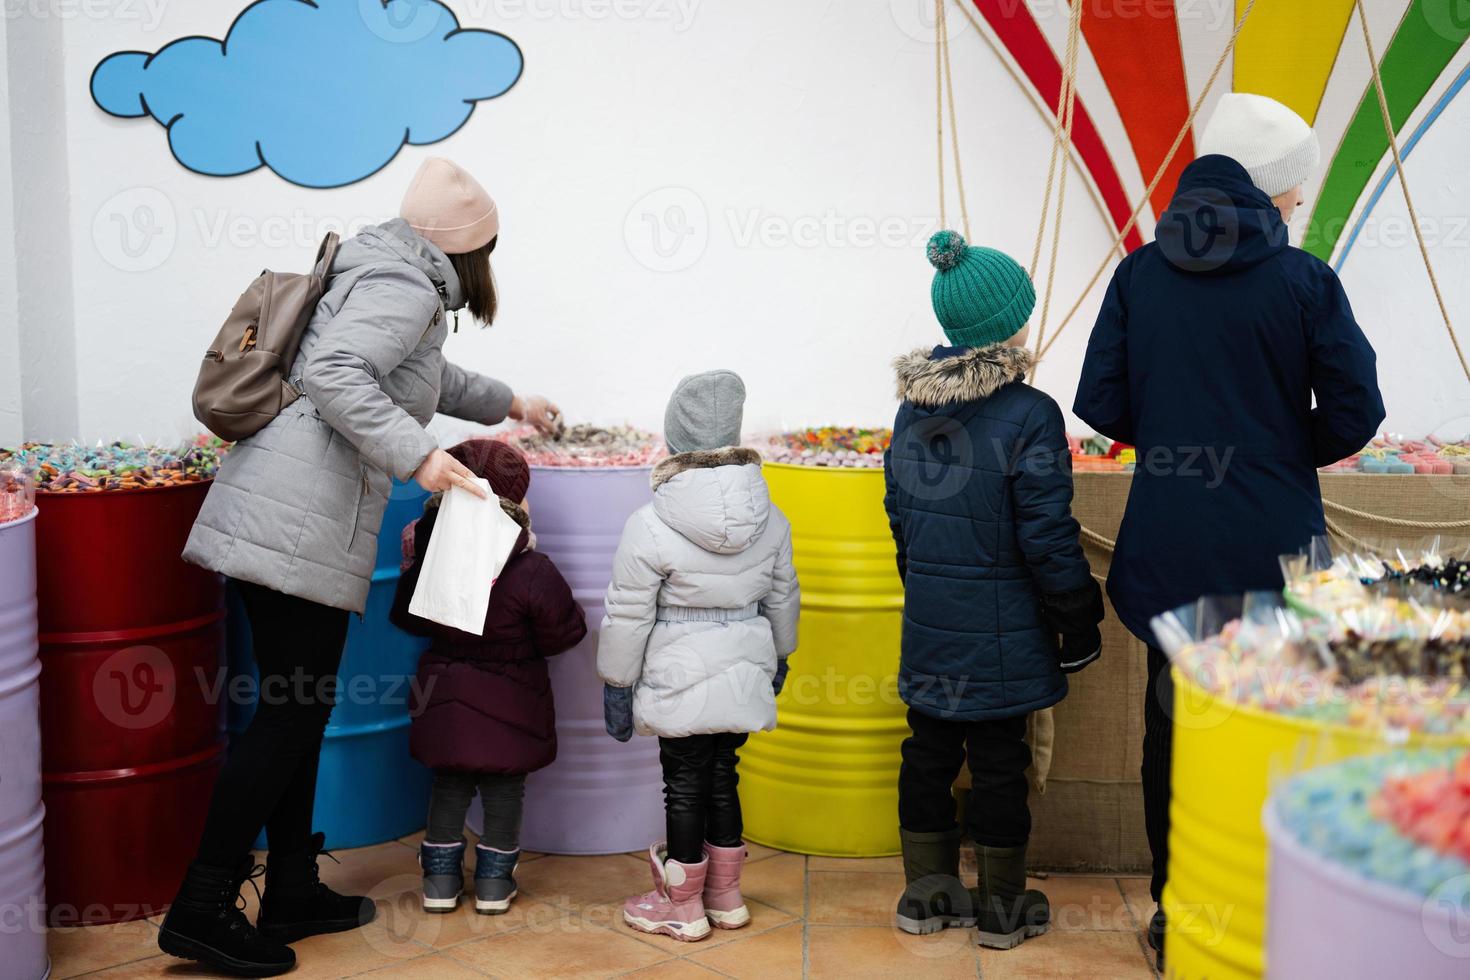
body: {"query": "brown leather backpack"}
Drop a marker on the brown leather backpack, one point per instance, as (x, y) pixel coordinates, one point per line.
(242, 383)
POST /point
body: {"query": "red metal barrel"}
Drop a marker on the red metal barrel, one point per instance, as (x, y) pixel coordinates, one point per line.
(132, 698)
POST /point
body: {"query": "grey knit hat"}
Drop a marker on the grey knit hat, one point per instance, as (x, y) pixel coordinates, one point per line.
(705, 412)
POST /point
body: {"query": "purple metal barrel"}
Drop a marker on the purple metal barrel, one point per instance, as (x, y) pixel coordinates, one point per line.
(22, 863)
(599, 796)
(1327, 920)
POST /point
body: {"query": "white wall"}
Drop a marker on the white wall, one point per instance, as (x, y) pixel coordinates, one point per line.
(11, 429)
(796, 139)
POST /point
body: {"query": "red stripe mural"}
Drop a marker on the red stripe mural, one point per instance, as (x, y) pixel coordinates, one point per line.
(1016, 28)
(1149, 89)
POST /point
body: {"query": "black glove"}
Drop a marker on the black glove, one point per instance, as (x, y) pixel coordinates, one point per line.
(779, 681)
(617, 711)
(1075, 616)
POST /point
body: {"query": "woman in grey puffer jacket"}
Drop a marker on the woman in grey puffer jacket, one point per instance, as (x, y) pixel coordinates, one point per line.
(293, 520)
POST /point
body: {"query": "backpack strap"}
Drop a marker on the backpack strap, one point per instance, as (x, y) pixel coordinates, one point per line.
(325, 255)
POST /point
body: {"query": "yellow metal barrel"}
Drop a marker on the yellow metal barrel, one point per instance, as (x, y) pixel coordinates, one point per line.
(1226, 758)
(826, 780)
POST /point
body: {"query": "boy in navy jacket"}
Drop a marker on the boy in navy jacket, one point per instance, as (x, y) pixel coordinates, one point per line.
(979, 497)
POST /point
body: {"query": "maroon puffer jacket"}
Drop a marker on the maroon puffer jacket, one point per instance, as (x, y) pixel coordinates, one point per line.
(483, 703)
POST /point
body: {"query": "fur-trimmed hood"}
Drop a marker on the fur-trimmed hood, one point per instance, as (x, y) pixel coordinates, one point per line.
(716, 498)
(931, 378)
(701, 459)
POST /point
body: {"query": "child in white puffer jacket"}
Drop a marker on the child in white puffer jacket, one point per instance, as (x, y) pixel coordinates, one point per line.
(701, 615)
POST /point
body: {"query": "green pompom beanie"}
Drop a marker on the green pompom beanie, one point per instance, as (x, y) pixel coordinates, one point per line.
(981, 296)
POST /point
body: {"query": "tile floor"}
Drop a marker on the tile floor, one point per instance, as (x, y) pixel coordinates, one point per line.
(812, 917)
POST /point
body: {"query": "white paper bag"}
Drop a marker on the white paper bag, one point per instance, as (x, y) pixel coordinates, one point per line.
(471, 542)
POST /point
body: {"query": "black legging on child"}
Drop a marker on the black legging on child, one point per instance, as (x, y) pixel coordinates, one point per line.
(270, 778)
(700, 800)
(998, 755)
(501, 801)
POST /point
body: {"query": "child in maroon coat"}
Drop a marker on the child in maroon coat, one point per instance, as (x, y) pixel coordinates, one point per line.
(482, 711)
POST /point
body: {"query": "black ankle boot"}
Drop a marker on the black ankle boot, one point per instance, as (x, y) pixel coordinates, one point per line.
(297, 904)
(205, 924)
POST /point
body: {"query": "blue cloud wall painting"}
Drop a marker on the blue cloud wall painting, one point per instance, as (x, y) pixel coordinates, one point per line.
(322, 92)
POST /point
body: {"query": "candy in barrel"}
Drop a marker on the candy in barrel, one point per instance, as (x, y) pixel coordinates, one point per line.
(1370, 869)
(1263, 687)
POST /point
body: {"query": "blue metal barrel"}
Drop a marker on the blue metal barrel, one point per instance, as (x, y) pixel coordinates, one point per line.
(22, 865)
(369, 789)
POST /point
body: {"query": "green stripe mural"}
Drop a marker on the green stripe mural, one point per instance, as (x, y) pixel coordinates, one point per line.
(1425, 42)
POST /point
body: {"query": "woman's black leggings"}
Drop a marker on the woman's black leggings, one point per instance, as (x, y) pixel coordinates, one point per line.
(700, 801)
(270, 778)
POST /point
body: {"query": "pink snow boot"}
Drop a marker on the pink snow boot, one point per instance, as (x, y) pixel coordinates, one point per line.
(674, 907)
(722, 901)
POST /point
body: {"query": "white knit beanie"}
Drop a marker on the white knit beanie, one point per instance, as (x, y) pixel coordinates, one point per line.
(1274, 144)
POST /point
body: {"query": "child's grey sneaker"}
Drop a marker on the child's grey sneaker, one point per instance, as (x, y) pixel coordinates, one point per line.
(495, 883)
(443, 866)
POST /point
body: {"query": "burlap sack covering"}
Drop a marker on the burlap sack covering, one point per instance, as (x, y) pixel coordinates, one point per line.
(1041, 734)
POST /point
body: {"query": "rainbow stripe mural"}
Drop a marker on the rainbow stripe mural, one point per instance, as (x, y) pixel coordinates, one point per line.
(1308, 54)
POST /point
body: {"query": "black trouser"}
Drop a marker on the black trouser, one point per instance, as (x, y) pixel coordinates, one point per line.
(270, 778)
(996, 813)
(700, 801)
(501, 799)
(1158, 753)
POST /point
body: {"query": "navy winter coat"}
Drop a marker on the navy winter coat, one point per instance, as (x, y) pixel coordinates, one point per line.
(483, 703)
(979, 497)
(1209, 347)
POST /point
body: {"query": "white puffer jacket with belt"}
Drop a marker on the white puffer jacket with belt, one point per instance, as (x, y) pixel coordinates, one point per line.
(703, 599)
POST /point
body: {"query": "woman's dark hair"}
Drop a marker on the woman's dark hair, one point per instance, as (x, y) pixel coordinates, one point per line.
(478, 281)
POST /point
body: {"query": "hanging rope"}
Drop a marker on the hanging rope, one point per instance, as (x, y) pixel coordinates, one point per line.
(1044, 109)
(1064, 97)
(944, 91)
(1061, 151)
(1158, 176)
(1398, 165)
(939, 103)
(1364, 515)
(1103, 542)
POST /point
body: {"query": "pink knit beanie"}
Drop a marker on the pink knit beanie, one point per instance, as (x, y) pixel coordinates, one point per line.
(449, 207)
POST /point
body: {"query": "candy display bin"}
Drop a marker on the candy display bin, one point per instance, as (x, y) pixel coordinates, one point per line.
(132, 726)
(22, 867)
(369, 789)
(1330, 921)
(1225, 756)
(599, 796)
(826, 780)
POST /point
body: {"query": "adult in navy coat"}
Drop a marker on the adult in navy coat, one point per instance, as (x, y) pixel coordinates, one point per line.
(1211, 345)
